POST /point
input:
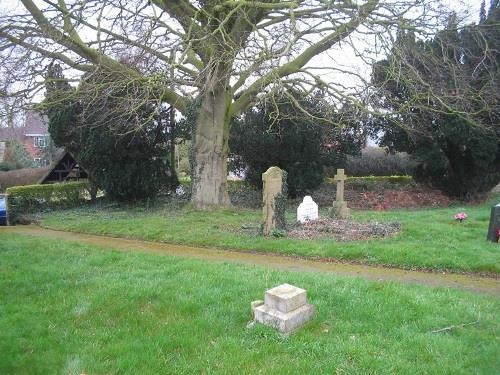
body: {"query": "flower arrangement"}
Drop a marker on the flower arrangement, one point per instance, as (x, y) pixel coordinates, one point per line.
(461, 216)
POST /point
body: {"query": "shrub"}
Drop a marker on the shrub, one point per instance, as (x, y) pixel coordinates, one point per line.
(16, 156)
(375, 161)
(124, 151)
(281, 134)
(6, 166)
(24, 200)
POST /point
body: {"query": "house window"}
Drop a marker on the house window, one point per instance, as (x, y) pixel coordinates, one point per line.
(41, 142)
(41, 162)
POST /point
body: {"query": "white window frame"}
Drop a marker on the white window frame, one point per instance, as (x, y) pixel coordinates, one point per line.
(41, 141)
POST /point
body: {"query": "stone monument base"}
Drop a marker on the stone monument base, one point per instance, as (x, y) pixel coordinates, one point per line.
(339, 210)
(284, 308)
(284, 322)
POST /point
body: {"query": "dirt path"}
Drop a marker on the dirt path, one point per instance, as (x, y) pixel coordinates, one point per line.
(464, 282)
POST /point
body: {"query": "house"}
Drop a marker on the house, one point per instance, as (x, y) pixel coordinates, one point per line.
(34, 135)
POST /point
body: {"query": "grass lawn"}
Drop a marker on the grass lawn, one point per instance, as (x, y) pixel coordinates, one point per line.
(430, 238)
(72, 308)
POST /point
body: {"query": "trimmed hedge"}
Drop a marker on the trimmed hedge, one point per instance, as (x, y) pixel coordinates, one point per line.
(31, 198)
(365, 182)
(370, 182)
(391, 179)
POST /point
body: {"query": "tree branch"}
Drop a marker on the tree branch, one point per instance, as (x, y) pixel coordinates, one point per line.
(247, 96)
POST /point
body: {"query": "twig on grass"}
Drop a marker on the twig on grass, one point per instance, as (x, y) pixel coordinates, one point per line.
(455, 326)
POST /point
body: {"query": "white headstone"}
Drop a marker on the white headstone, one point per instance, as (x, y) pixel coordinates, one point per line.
(307, 210)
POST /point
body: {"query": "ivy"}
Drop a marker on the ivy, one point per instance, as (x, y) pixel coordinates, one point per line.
(192, 113)
(280, 204)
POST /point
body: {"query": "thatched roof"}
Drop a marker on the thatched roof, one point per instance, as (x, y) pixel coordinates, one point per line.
(19, 177)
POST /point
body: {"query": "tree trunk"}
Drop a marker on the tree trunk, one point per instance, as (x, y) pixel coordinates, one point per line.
(210, 150)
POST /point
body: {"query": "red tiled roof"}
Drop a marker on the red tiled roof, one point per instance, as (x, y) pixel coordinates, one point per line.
(35, 123)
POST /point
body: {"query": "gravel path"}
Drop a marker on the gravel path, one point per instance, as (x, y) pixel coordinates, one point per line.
(470, 283)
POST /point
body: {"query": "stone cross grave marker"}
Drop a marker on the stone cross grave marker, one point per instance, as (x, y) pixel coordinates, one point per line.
(284, 308)
(307, 210)
(272, 191)
(494, 223)
(339, 208)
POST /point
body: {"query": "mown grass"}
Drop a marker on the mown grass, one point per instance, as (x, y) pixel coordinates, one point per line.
(429, 239)
(72, 308)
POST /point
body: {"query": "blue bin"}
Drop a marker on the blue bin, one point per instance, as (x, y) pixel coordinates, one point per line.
(3, 211)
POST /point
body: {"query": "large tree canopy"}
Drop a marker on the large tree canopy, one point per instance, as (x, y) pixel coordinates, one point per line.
(210, 59)
(456, 139)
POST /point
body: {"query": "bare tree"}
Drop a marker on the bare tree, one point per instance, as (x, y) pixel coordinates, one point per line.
(210, 59)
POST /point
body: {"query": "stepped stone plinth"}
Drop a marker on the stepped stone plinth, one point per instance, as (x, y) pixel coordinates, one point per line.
(284, 308)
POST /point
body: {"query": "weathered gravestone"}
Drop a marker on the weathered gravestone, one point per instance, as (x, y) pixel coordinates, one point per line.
(494, 223)
(307, 210)
(274, 194)
(284, 307)
(339, 208)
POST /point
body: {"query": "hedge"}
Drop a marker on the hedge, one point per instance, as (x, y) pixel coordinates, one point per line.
(31, 198)
(390, 179)
(236, 186)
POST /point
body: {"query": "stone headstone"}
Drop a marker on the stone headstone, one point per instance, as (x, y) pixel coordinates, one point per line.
(285, 308)
(339, 208)
(273, 199)
(307, 210)
(494, 223)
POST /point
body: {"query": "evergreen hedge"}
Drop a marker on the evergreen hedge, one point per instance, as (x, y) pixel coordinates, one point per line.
(24, 200)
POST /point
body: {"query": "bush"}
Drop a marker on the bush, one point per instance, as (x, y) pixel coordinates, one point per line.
(125, 152)
(281, 134)
(24, 200)
(375, 161)
(16, 156)
(6, 166)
